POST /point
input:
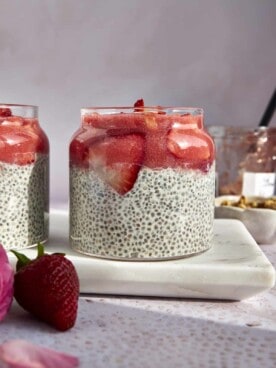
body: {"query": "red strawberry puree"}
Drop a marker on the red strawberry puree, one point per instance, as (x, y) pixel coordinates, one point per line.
(24, 175)
(142, 183)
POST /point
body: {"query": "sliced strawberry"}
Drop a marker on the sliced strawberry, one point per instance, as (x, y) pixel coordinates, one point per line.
(158, 129)
(5, 111)
(129, 122)
(78, 153)
(19, 144)
(117, 160)
(190, 145)
(163, 136)
(190, 121)
(139, 107)
(80, 143)
(157, 155)
(12, 120)
(155, 127)
(139, 104)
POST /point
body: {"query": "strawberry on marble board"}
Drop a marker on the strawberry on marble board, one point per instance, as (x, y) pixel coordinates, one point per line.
(48, 288)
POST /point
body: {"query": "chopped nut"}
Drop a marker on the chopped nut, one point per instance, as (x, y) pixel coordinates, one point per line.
(243, 202)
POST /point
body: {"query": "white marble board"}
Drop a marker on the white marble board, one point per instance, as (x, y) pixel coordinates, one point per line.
(235, 268)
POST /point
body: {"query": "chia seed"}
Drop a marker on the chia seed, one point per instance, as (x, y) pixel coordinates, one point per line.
(168, 214)
(24, 203)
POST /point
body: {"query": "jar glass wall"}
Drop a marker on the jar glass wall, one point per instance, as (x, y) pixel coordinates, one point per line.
(24, 177)
(246, 160)
(141, 183)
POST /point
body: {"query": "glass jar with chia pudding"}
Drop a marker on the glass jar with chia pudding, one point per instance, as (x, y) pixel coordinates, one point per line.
(142, 183)
(24, 177)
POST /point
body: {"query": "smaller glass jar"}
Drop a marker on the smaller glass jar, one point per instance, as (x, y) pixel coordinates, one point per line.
(142, 183)
(24, 177)
(246, 160)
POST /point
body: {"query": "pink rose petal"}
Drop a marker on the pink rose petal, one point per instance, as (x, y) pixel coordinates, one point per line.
(24, 354)
(6, 283)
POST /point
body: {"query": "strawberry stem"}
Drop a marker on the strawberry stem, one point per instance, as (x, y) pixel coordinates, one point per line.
(40, 250)
(22, 260)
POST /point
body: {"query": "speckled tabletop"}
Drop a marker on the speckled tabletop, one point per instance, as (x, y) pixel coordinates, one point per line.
(157, 332)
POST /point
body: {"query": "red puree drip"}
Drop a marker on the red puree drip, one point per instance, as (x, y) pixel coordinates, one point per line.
(20, 139)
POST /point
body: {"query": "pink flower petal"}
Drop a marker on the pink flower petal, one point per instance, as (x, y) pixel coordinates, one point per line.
(6, 283)
(24, 354)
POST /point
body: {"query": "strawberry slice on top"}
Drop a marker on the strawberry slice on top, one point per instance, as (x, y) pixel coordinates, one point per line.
(117, 160)
(5, 111)
(20, 142)
(139, 104)
(191, 145)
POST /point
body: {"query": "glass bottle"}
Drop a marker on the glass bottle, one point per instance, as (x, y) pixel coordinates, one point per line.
(246, 160)
(142, 183)
(24, 177)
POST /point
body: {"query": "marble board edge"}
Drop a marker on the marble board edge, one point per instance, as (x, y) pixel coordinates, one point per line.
(100, 276)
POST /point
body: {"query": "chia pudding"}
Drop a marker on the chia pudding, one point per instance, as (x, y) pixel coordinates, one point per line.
(24, 178)
(141, 185)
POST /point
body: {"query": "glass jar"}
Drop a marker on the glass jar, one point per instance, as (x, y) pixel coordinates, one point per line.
(24, 177)
(142, 183)
(246, 160)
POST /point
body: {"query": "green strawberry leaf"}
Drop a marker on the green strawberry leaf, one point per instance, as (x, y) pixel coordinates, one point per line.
(22, 260)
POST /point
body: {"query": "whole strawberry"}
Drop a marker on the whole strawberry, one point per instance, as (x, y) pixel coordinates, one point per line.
(48, 288)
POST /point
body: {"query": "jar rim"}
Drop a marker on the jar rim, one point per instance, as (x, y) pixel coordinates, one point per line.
(2, 104)
(27, 111)
(143, 109)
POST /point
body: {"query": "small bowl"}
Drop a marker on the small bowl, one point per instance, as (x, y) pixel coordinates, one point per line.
(260, 222)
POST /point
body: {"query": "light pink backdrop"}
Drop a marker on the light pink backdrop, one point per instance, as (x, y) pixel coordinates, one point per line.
(62, 55)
